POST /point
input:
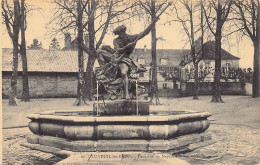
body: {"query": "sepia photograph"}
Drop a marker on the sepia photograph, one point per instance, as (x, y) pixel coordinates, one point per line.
(130, 82)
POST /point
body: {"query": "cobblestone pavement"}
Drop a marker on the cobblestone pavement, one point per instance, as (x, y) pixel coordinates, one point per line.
(13, 153)
(234, 126)
(234, 145)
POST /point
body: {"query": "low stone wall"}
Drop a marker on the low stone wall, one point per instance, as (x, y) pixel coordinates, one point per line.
(227, 88)
(169, 93)
(43, 85)
(59, 85)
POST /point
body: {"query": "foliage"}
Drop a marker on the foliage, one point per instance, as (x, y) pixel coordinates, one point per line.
(227, 74)
(54, 44)
(172, 75)
(35, 45)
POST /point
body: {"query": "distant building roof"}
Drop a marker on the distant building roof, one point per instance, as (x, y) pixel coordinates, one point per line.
(209, 52)
(43, 60)
(173, 56)
(71, 46)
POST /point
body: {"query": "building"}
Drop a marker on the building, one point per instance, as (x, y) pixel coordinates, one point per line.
(167, 60)
(73, 44)
(227, 59)
(54, 73)
(206, 66)
(51, 73)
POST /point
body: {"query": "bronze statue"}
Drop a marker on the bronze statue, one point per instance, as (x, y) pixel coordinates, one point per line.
(116, 64)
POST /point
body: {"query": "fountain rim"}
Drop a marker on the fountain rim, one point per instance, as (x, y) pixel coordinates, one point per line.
(93, 119)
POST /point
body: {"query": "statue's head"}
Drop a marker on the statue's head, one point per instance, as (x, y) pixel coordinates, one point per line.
(120, 30)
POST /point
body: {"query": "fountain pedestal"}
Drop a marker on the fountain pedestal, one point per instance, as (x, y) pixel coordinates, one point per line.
(121, 108)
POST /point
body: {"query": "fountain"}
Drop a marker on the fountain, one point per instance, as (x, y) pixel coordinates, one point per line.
(118, 125)
(118, 121)
(82, 131)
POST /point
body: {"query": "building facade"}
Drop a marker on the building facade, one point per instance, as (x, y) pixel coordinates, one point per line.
(54, 73)
(50, 73)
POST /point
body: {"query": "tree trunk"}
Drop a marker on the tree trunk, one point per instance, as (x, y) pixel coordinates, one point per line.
(195, 63)
(256, 81)
(154, 87)
(89, 77)
(196, 82)
(25, 91)
(91, 55)
(16, 25)
(256, 77)
(80, 95)
(218, 35)
(217, 85)
(13, 92)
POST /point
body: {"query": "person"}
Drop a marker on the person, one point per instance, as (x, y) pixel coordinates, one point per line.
(117, 64)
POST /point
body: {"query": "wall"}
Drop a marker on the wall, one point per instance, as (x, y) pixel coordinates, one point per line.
(43, 85)
(169, 84)
(46, 85)
(169, 93)
(228, 88)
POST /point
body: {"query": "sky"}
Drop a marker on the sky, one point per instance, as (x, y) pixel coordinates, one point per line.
(174, 36)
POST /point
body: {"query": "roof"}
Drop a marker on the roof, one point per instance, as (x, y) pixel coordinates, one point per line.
(209, 52)
(43, 60)
(173, 56)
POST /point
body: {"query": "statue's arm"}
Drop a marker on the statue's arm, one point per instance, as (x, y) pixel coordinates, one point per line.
(122, 50)
(117, 48)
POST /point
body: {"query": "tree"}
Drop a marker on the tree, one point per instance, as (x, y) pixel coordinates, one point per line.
(112, 14)
(103, 13)
(80, 96)
(35, 45)
(54, 44)
(188, 23)
(154, 10)
(91, 51)
(11, 16)
(172, 75)
(222, 10)
(25, 91)
(247, 21)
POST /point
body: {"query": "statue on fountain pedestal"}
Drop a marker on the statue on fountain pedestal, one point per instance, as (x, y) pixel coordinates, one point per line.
(117, 68)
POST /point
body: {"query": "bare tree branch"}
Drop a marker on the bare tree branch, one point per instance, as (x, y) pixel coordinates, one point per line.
(244, 21)
(106, 25)
(7, 19)
(207, 19)
(146, 9)
(65, 7)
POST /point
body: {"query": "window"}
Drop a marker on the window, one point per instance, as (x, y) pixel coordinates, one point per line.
(141, 74)
(164, 86)
(228, 66)
(141, 61)
(163, 61)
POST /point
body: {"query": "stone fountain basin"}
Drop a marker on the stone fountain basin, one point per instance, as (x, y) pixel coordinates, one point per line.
(81, 131)
(82, 125)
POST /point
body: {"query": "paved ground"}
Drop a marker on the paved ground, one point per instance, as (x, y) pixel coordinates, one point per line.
(234, 125)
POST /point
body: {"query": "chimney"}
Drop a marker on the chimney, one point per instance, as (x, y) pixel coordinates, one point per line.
(67, 40)
(86, 39)
(145, 48)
